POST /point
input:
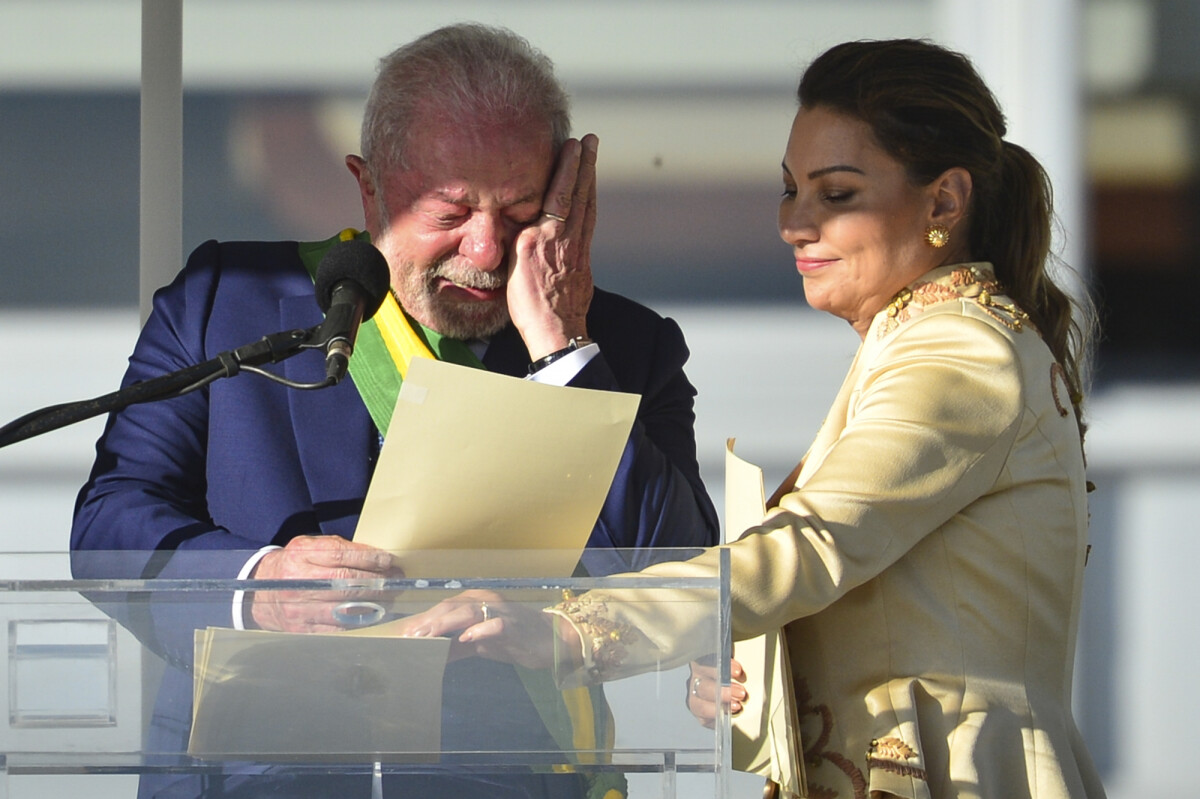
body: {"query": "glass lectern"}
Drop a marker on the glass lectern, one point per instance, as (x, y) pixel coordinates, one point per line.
(119, 676)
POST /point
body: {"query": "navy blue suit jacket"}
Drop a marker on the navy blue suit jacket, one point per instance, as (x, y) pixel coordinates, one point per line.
(247, 462)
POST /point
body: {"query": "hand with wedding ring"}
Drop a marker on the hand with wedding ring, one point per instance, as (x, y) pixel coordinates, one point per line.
(320, 557)
(703, 681)
(550, 278)
(489, 626)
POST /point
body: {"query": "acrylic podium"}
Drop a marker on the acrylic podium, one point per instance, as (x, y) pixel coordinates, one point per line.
(124, 669)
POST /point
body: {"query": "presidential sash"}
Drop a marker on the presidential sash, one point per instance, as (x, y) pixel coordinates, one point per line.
(387, 342)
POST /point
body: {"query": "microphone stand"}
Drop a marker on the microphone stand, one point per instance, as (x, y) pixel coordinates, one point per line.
(269, 349)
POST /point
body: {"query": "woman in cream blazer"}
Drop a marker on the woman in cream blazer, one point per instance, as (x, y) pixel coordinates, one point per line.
(927, 563)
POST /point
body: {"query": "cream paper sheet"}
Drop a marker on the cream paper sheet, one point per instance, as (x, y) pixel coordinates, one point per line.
(766, 734)
(485, 475)
(332, 696)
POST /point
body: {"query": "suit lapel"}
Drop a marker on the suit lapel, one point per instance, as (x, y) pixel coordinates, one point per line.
(335, 438)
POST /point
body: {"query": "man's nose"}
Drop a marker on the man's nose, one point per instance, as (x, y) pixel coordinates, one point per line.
(484, 242)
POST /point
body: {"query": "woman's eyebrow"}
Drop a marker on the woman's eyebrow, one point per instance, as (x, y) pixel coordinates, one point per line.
(816, 173)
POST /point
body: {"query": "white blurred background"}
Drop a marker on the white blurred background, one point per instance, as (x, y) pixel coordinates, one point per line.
(692, 102)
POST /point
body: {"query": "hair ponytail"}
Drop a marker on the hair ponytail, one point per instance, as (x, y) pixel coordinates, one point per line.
(1012, 229)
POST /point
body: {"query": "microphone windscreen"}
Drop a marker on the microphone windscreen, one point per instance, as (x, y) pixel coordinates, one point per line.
(360, 262)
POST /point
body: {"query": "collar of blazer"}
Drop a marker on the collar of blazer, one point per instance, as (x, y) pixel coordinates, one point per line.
(974, 281)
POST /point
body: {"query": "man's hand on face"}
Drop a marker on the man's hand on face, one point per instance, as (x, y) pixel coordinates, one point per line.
(320, 557)
(550, 283)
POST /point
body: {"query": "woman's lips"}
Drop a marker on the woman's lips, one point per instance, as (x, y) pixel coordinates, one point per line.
(809, 265)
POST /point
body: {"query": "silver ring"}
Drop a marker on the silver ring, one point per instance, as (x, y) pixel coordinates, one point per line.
(696, 686)
(555, 217)
(483, 607)
(358, 614)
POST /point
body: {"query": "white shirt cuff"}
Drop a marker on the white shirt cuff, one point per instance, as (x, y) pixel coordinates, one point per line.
(239, 596)
(565, 368)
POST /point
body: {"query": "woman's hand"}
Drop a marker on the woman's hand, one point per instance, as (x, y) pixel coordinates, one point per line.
(702, 684)
(489, 626)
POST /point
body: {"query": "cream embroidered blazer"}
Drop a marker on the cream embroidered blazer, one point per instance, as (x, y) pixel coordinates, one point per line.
(927, 564)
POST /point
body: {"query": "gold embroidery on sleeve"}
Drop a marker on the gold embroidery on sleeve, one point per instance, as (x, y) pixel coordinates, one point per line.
(607, 637)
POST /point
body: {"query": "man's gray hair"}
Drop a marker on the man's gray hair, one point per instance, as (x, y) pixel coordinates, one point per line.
(466, 72)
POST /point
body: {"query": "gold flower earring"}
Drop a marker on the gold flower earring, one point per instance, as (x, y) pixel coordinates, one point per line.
(937, 236)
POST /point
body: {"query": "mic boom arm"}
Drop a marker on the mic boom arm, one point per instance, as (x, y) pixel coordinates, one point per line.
(269, 349)
(351, 282)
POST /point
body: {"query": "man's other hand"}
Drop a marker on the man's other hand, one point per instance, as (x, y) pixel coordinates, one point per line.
(320, 557)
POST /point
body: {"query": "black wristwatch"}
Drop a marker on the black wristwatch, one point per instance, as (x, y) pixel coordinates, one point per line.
(572, 345)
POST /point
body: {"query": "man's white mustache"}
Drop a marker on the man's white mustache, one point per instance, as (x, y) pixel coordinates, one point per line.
(469, 277)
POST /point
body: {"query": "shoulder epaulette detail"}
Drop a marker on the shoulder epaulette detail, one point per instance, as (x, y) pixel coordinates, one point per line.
(966, 282)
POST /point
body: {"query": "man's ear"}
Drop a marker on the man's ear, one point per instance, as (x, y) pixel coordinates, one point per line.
(366, 191)
(951, 193)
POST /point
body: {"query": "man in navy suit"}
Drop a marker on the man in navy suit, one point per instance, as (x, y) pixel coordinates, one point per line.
(484, 209)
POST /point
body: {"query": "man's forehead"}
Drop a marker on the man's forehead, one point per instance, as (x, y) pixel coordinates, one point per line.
(466, 191)
(504, 164)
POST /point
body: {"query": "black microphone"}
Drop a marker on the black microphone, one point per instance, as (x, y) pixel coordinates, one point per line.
(352, 280)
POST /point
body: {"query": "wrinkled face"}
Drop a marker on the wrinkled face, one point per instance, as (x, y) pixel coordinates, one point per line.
(855, 221)
(446, 223)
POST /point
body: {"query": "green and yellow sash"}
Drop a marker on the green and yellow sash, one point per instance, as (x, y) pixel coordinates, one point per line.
(387, 342)
(579, 719)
